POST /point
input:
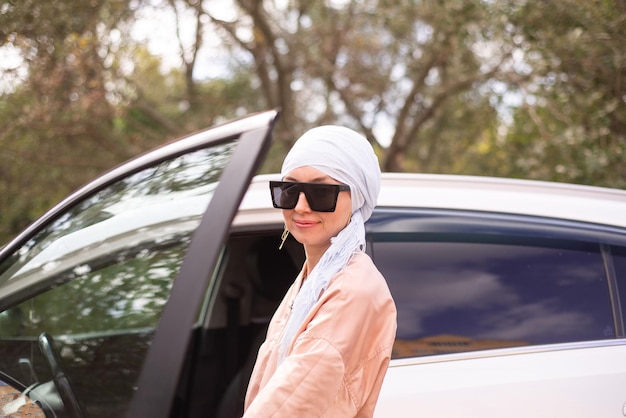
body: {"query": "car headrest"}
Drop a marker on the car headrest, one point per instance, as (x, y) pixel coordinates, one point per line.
(272, 271)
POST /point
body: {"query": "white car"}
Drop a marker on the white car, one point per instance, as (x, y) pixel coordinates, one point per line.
(147, 292)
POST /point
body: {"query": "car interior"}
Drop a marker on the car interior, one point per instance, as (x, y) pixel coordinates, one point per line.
(252, 280)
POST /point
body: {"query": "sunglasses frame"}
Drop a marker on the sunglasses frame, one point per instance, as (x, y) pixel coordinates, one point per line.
(305, 188)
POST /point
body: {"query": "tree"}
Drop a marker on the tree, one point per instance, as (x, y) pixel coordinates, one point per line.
(571, 125)
(58, 119)
(390, 69)
(454, 86)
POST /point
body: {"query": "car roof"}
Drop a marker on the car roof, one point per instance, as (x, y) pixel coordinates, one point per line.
(597, 205)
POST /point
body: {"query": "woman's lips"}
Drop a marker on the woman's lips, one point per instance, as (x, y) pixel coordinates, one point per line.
(304, 223)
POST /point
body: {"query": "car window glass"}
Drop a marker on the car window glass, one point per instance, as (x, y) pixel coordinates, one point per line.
(472, 295)
(96, 280)
(172, 185)
(619, 263)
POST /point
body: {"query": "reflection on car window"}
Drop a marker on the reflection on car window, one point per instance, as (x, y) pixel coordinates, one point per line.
(98, 278)
(462, 296)
(180, 187)
(619, 260)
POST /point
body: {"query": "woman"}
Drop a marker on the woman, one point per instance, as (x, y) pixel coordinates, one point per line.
(329, 343)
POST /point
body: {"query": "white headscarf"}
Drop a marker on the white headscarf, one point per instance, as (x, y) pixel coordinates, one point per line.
(348, 157)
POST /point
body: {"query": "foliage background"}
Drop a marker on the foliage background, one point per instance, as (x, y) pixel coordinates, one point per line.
(513, 88)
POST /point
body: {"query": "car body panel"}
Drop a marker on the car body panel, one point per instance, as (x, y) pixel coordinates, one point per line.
(578, 380)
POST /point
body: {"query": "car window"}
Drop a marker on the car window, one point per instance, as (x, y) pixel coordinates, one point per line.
(94, 282)
(619, 264)
(483, 287)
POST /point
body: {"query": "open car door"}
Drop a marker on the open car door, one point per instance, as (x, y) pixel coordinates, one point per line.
(98, 297)
(161, 371)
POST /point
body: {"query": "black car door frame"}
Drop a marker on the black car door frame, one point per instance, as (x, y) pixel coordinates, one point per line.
(162, 368)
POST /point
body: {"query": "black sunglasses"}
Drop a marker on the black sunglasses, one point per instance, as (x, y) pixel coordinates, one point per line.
(321, 197)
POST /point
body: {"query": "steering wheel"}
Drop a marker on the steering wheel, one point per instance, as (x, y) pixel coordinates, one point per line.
(61, 381)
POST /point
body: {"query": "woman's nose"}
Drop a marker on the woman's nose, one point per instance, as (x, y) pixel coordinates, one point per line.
(302, 205)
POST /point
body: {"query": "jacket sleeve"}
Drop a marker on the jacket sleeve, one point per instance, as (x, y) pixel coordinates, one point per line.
(305, 384)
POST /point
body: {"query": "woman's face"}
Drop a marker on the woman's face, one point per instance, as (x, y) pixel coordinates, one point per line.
(315, 229)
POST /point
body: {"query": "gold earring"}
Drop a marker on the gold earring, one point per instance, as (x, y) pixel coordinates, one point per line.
(283, 238)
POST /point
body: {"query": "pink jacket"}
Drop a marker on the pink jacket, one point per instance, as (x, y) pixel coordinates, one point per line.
(336, 364)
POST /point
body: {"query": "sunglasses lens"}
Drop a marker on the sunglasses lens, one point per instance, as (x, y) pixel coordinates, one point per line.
(320, 197)
(284, 195)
